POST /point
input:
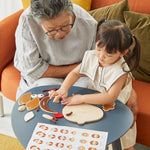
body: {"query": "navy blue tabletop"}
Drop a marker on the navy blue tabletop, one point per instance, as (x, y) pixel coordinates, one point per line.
(116, 122)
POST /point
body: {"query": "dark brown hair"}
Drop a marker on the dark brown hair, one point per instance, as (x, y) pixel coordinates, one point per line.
(116, 36)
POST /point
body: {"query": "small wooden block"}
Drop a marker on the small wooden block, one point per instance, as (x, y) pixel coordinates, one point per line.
(47, 116)
(28, 116)
(22, 108)
(58, 115)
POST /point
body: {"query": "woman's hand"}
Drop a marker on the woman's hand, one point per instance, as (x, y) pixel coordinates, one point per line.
(61, 93)
(73, 100)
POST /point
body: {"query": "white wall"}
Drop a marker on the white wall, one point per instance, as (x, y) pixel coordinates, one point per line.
(8, 7)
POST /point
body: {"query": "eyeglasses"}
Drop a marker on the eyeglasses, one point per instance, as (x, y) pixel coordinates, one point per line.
(63, 28)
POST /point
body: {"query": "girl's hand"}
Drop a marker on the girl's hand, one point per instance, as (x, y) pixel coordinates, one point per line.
(73, 100)
(58, 94)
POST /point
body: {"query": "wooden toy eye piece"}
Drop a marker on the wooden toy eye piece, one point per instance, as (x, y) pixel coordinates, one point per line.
(34, 95)
(40, 95)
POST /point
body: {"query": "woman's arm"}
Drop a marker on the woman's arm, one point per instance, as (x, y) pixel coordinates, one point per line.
(58, 71)
(71, 78)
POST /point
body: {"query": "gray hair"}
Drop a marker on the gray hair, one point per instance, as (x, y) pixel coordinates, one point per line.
(48, 9)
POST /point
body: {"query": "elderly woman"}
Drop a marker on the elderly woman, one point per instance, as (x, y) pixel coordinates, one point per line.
(51, 39)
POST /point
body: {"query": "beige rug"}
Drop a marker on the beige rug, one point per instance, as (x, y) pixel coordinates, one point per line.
(9, 143)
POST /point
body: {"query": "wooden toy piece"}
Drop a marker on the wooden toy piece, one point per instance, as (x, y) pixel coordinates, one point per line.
(22, 108)
(42, 96)
(53, 121)
(34, 96)
(43, 105)
(109, 106)
(28, 116)
(24, 99)
(54, 118)
(50, 118)
(68, 114)
(46, 90)
(37, 108)
(32, 104)
(82, 113)
(47, 116)
(58, 115)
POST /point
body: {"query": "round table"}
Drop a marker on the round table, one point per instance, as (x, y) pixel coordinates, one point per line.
(116, 122)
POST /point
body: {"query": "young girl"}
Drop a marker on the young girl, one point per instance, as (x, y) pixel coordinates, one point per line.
(108, 67)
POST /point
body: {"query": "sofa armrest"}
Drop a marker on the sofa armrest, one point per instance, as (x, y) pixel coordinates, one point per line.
(7, 39)
(143, 118)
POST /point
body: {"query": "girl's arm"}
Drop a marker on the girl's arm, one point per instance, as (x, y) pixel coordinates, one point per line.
(71, 78)
(101, 98)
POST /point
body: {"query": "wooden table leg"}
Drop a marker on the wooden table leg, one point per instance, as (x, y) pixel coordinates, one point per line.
(116, 145)
(1, 107)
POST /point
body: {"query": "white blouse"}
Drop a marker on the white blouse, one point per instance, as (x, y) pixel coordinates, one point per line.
(102, 78)
(35, 51)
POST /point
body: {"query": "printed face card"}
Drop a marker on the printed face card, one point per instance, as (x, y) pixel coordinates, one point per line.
(53, 137)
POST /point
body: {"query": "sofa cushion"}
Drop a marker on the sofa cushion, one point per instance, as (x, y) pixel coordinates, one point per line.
(140, 27)
(86, 4)
(26, 3)
(114, 11)
(135, 5)
(7, 39)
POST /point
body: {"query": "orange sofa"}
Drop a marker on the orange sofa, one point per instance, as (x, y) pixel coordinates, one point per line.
(9, 76)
